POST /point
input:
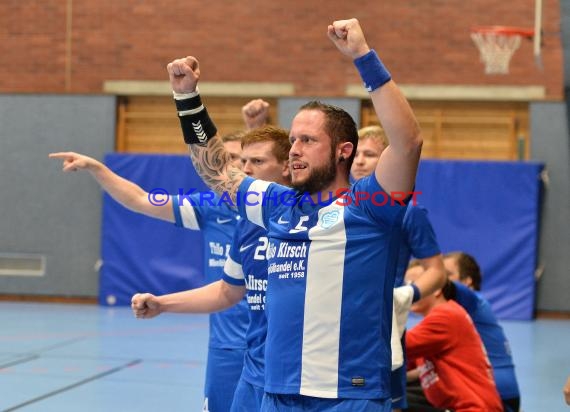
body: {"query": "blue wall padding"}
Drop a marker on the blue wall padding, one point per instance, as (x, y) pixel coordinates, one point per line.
(491, 211)
(143, 254)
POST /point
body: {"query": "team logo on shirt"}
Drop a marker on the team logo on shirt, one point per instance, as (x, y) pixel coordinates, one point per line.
(328, 219)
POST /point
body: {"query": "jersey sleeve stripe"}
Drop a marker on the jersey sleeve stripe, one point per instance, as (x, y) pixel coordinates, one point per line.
(232, 281)
(233, 269)
(254, 210)
(185, 215)
(176, 210)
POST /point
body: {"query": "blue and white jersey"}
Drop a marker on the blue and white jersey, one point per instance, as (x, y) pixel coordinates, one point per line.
(247, 266)
(419, 239)
(331, 271)
(493, 337)
(217, 222)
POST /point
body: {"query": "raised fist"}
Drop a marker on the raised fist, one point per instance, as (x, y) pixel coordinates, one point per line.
(255, 113)
(184, 74)
(348, 37)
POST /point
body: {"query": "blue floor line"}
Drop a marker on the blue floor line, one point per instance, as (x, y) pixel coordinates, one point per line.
(74, 385)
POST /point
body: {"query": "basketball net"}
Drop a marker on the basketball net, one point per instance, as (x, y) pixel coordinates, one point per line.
(496, 49)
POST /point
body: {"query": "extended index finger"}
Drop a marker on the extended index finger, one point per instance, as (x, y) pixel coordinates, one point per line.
(61, 155)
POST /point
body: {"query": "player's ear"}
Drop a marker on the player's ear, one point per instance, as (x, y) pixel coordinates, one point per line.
(344, 150)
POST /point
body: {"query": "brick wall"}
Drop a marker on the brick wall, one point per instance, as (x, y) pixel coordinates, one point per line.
(421, 41)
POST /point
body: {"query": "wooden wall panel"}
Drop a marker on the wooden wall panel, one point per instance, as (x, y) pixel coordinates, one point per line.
(451, 130)
(469, 130)
(148, 124)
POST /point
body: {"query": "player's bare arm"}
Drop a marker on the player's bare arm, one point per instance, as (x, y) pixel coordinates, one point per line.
(396, 171)
(213, 164)
(211, 161)
(433, 277)
(211, 298)
(127, 193)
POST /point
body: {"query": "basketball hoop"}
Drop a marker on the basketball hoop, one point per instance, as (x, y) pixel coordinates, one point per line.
(497, 45)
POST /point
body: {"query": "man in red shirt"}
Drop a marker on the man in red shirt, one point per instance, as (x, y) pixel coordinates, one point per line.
(448, 355)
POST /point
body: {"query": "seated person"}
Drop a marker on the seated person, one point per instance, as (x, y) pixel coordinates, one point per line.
(448, 357)
(465, 273)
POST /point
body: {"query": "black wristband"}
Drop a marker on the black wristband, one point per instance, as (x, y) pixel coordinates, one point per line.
(188, 104)
(197, 128)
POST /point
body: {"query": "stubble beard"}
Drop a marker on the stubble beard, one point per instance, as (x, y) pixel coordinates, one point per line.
(319, 179)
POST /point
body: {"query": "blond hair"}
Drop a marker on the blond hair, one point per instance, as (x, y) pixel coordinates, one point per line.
(233, 137)
(373, 132)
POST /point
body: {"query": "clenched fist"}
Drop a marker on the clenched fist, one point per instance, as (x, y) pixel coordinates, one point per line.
(145, 305)
(348, 37)
(255, 113)
(184, 74)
